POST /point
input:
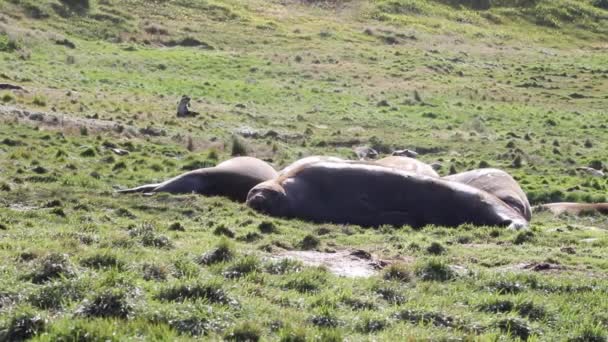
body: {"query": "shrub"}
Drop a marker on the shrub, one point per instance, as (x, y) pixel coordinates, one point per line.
(435, 248)
(309, 242)
(435, 270)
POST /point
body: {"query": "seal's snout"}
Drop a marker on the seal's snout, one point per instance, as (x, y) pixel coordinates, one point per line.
(515, 224)
(268, 199)
(257, 201)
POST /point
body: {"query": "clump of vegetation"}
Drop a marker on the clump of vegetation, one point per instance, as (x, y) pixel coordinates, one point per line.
(223, 230)
(435, 248)
(113, 303)
(211, 292)
(243, 266)
(39, 100)
(506, 287)
(371, 324)
(267, 227)
(309, 242)
(150, 238)
(238, 147)
(56, 295)
(589, 333)
(398, 271)
(307, 281)
(523, 237)
(155, 272)
(391, 295)
(515, 327)
(420, 317)
(7, 45)
(283, 266)
(222, 253)
(434, 270)
(326, 318)
(103, 260)
(246, 331)
(51, 267)
(177, 226)
(23, 326)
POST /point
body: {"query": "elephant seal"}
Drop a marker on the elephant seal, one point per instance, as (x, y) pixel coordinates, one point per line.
(578, 209)
(373, 195)
(408, 164)
(498, 183)
(309, 160)
(232, 178)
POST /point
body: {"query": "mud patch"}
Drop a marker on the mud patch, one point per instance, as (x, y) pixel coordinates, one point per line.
(349, 264)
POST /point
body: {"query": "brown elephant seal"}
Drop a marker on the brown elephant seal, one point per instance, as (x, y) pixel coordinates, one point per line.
(373, 195)
(309, 160)
(408, 164)
(232, 178)
(577, 209)
(498, 183)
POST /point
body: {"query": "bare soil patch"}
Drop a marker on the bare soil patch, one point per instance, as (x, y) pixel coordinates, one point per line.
(344, 263)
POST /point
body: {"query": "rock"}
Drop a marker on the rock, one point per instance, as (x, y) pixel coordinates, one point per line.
(365, 152)
(405, 153)
(591, 171)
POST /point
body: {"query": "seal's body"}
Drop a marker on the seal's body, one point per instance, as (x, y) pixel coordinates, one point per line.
(498, 183)
(232, 178)
(372, 195)
(408, 164)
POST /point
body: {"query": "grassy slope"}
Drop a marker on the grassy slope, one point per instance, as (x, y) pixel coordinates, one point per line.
(493, 85)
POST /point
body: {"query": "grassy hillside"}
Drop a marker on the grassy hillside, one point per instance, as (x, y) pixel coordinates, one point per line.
(519, 85)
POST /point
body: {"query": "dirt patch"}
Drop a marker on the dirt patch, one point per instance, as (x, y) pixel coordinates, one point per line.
(65, 122)
(535, 267)
(346, 263)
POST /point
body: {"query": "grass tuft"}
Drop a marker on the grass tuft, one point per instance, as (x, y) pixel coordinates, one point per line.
(211, 292)
(245, 332)
(222, 253)
(434, 270)
(112, 303)
(53, 266)
(399, 272)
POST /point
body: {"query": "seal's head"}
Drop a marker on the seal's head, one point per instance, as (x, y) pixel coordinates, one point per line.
(269, 198)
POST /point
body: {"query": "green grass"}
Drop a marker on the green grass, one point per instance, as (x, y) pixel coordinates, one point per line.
(521, 88)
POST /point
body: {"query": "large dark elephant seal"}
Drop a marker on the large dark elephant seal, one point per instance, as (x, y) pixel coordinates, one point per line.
(372, 195)
(408, 164)
(498, 183)
(573, 208)
(232, 178)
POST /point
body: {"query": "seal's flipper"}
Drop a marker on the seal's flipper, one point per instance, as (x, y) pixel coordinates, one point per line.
(143, 188)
